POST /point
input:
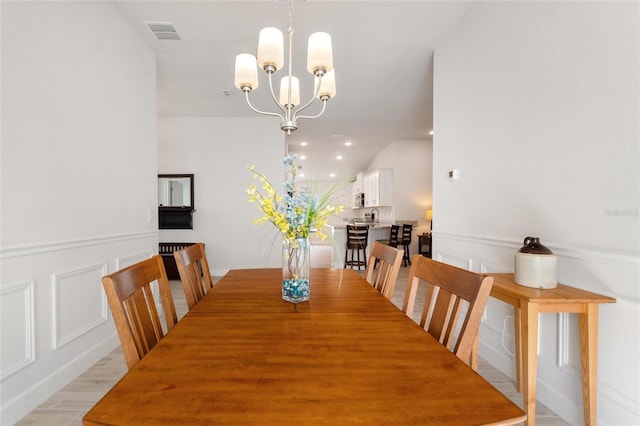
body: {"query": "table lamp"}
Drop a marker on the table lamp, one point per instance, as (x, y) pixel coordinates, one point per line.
(429, 216)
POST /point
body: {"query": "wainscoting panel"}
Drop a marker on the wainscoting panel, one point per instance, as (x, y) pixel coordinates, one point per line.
(568, 342)
(54, 315)
(490, 267)
(124, 261)
(17, 342)
(79, 303)
(452, 259)
(494, 268)
(618, 369)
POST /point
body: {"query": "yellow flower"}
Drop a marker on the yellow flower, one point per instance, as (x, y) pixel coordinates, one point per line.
(296, 214)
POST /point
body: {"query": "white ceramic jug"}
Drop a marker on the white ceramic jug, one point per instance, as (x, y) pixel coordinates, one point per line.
(535, 265)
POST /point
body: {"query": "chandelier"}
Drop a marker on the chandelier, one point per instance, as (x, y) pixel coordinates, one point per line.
(271, 59)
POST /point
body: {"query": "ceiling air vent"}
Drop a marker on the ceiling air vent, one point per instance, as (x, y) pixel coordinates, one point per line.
(163, 30)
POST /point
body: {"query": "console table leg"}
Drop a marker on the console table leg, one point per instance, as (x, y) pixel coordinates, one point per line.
(529, 362)
(588, 323)
(518, 343)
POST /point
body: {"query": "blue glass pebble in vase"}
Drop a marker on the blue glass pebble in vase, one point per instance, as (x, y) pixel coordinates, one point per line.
(295, 270)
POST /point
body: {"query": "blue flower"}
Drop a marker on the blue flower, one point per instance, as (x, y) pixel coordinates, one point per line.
(297, 213)
(289, 159)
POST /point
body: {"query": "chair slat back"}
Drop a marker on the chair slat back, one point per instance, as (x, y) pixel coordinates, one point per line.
(133, 306)
(194, 272)
(449, 289)
(393, 235)
(407, 228)
(357, 236)
(388, 264)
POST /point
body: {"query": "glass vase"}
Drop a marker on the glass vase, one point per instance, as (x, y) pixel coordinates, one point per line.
(295, 270)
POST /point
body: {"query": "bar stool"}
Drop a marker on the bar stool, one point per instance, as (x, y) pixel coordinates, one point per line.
(393, 240)
(405, 241)
(357, 236)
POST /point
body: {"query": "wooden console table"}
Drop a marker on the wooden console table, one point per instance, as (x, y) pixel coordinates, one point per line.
(166, 251)
(424, 245)
(527, 303)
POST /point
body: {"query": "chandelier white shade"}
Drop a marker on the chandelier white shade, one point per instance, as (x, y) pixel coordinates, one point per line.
(319, 54)
(285, 89)
(271, 59)
(246, 71)
(327, 85)
(271, 48)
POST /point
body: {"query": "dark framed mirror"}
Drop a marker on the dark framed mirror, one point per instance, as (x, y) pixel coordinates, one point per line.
(175, 201)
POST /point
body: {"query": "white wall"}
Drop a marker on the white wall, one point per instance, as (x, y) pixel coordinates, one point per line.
(78, 181)
(537, 104)
(412, 166)
(218, 151)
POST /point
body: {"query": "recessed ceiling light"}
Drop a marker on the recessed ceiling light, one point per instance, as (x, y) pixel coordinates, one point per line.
(332, 175)
(430, 132)
(348, 143)
(339, 157)
(303, 157)
(301, 175)
(303, 144)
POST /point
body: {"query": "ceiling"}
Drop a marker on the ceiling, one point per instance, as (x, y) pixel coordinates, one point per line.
(383, 56)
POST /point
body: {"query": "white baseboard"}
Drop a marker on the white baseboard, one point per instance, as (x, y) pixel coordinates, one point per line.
(22, 404)
(219, 272)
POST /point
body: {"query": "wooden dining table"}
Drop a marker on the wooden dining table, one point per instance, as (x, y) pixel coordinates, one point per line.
(347, 356)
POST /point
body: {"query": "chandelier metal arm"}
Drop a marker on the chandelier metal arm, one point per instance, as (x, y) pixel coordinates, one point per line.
(296, 114)
(275, 100)
(324, 105)
(246, 93)
(315, 94)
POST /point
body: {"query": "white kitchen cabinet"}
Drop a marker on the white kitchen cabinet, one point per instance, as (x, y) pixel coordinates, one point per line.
(357, 188)
(378, 187)
(357, 184)
(369, 195)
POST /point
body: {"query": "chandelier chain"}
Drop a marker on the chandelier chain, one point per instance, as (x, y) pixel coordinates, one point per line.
(290, 80)
(290, 17)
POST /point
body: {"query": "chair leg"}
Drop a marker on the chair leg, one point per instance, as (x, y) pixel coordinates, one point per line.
(405, 257)
(346, 252)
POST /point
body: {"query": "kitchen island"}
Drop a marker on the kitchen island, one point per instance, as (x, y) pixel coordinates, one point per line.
(377, 231)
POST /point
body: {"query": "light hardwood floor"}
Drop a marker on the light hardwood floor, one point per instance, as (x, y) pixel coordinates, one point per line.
(68, 406)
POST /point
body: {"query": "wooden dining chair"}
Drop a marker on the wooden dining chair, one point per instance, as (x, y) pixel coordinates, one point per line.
(387, 259)
(194, 272)
(448, 287)
(134, 308)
